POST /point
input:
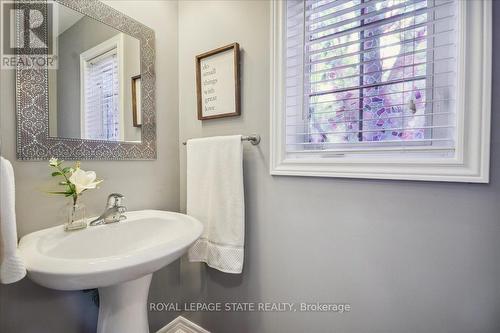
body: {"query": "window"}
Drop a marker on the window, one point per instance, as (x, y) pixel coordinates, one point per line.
(381, 89)
(102, 114)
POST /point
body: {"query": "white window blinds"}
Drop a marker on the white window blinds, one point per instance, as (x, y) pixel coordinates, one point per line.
(102, 112)
(369, 76)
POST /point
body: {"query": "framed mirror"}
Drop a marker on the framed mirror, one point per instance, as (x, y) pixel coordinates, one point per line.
(98, 101)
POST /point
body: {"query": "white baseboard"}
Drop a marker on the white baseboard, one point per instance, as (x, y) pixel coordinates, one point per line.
(182, 325)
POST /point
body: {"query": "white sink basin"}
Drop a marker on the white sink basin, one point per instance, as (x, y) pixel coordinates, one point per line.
(117, 258)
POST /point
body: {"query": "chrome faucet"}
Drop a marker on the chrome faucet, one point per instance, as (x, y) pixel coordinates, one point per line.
(113, 212)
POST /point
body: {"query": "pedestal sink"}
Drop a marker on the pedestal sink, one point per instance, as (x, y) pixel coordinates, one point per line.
(117, 258)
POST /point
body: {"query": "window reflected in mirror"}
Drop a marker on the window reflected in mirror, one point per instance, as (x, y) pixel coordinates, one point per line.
(93, 94)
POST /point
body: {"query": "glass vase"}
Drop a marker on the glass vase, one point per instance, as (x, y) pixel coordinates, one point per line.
(76, 217)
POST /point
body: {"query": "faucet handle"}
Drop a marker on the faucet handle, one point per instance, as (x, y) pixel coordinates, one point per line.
(122, 210)
(115, 200)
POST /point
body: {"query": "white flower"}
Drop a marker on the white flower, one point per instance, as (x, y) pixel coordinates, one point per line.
(83, 180)
(53, 162)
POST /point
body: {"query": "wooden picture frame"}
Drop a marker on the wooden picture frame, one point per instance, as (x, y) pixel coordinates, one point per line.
(217, 74)
(136, 101)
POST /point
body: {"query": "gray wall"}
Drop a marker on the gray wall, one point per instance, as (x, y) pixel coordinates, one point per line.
(408, 256)
(26, 307)
(132, 54)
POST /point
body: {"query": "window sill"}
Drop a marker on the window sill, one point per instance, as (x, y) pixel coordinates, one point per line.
(444, 172)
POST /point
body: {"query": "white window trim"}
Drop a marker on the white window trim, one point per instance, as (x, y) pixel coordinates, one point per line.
(112, 43)
(471, 163)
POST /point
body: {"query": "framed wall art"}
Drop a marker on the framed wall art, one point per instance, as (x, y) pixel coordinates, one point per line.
(218, 83)
(136, 101)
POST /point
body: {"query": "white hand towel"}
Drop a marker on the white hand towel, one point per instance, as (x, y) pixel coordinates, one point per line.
(215, 197)
(12, 268)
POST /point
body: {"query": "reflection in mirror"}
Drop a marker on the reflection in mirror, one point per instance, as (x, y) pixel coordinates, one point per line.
(95, 92)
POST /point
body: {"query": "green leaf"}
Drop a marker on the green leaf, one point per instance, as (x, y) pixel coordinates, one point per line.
(63, 183)
(57, 192)
(68, 169)
(56, 173)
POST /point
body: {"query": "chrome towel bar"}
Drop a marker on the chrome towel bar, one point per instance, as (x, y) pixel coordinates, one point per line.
(254, 139)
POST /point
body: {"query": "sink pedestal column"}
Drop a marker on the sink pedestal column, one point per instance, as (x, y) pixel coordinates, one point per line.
(123, 307)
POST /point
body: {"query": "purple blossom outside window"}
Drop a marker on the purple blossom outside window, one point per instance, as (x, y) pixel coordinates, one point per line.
(372, 84)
